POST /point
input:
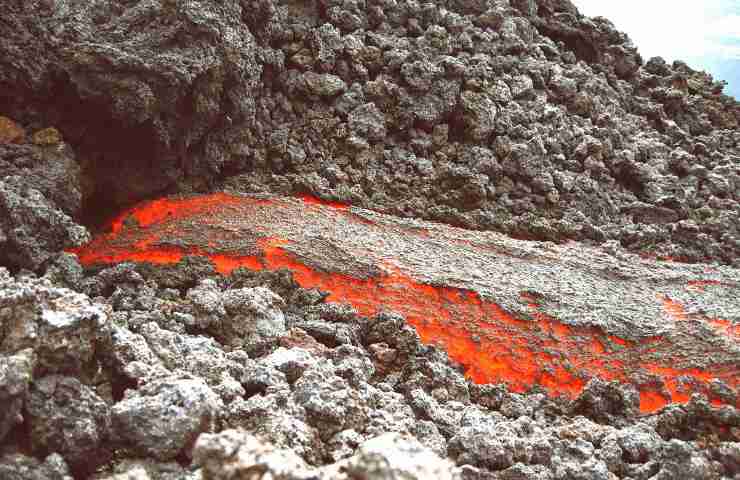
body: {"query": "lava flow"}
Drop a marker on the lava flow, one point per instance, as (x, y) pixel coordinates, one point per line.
(452, 285)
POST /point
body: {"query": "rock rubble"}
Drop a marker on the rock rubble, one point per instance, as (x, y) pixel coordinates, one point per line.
(517, 116)
(159, 388)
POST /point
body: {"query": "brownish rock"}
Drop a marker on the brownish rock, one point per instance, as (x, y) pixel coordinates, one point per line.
(47, 137)
(11, 132)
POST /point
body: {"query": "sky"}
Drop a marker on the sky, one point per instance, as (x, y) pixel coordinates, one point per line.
(703, 33)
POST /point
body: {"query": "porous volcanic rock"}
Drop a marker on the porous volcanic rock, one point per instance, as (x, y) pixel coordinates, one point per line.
(40, 203)
(569, 313)
(141, 89)
(518, 116)
(163, 417)
(21, 467)
(234, 453)
(63, 328)
(210, 326)
(324, 407)
(69, 418)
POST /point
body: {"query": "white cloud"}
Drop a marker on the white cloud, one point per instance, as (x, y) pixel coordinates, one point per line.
(674, 29)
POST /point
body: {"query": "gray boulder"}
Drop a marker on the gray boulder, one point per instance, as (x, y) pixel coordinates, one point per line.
(16, 466)
(163, 418)
(69, 418)
(64, 328)
(33, 228)
(236, 454)
(16, 373)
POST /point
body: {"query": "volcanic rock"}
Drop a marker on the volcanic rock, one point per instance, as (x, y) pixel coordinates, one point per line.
(305, 298)
(234, 453)
(138, 469)
(670, 320)
(16, 373)
(163, 418)
(377, 106)
(69, 418)
(42, 198)
(393, 456)
(20, 467)
(248, 318)
(62, 327)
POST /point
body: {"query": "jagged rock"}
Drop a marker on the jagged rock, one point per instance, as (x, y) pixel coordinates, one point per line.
(140, 469)
(274, 417)
(64, 328)
(16, 373)
(517, 116)
(69, 418)
(34, 229)
(163, 418)
(606, 401)
(330, 404)
(292, 362)
(395, 456)
(201, 356)
(66, 271)
(255, 319)
(131, 357)
(204, 58)
(401, 73)
(249, 318)
(44, 183)
(324, 85)
(20, 467)
(234, 454)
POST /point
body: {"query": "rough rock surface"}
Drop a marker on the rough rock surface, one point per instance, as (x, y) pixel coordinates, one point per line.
(516, 116)
(69, 418)
(40, 202)
(324, 406)
(564, 310)
(163, 418)
(236, 454)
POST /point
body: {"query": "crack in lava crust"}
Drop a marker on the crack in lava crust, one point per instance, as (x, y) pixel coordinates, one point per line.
(444, 280)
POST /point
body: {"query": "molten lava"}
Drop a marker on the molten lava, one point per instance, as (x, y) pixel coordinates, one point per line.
(373, 264)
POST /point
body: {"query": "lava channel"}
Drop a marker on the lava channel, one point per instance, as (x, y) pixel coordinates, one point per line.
(375, 263)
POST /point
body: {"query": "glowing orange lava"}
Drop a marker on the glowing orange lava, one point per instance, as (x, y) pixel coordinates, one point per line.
(493, 345)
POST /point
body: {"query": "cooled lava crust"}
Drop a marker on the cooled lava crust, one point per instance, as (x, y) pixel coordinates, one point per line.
(523, 313)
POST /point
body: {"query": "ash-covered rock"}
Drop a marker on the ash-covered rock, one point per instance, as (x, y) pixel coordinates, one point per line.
(69, 418)
(40, 203)
(163, 418)
(17, 466)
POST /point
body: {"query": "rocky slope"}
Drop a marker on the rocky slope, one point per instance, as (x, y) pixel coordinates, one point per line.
(522, 116)
(517, 116)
